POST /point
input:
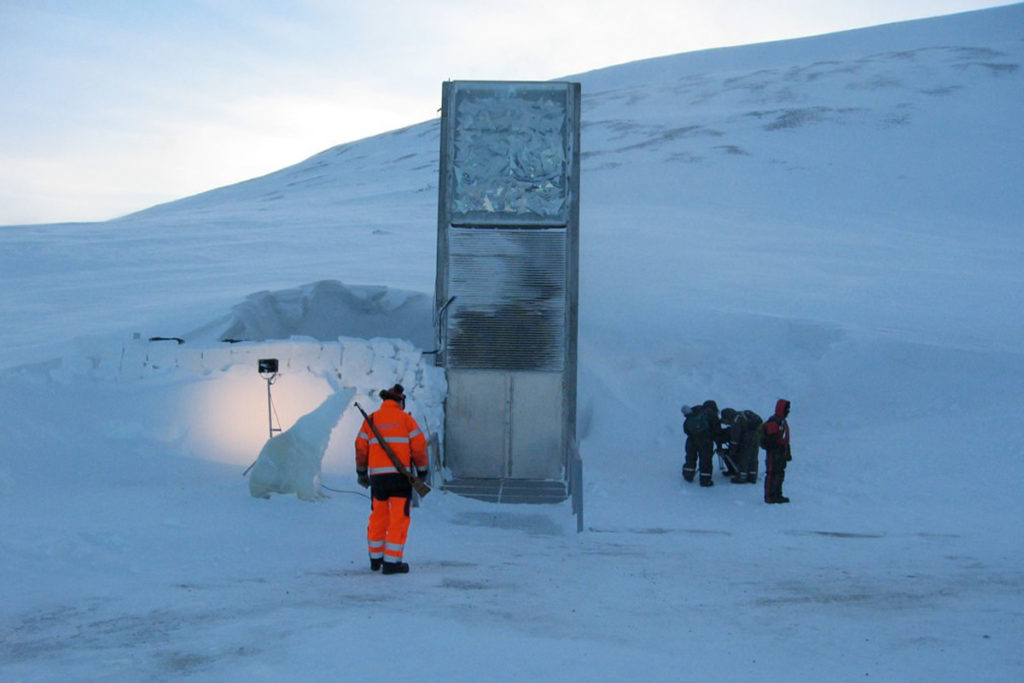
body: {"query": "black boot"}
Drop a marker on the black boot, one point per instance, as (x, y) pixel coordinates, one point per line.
(395, 568)
(375, 563)
(706, 482)
(739, 479)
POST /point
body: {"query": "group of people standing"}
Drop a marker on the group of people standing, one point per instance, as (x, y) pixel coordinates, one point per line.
(390, 441)
(736, 436)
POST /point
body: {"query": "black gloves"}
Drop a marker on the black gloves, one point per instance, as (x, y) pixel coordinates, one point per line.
(423, 473)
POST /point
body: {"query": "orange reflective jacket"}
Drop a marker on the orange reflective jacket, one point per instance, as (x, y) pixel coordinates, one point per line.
(401, 433)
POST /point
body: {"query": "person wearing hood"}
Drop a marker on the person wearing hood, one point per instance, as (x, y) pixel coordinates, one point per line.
(777, 452)
(390, 491)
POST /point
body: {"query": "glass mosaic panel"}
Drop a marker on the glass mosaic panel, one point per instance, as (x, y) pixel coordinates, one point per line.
(510, 156)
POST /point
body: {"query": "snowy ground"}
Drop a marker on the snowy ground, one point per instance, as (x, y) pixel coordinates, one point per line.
(834, 220)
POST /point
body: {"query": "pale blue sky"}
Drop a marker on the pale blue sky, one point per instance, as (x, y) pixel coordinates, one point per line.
(111, 106)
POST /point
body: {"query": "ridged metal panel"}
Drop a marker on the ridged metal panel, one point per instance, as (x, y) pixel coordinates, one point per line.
(510, 299)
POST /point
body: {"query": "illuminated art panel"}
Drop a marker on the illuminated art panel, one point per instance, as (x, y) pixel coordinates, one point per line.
(510, 155)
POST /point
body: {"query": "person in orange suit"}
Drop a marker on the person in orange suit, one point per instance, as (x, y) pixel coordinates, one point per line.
(390, 491)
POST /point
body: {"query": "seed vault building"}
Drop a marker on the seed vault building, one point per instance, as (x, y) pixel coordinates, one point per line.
(507, 286)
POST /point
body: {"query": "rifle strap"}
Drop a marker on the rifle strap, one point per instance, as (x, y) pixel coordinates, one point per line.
(390, 453)
(417, 484)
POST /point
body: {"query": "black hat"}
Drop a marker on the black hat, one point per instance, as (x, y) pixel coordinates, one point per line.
(395, 393)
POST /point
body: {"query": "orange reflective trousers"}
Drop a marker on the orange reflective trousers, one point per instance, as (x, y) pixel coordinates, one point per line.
(388, 528)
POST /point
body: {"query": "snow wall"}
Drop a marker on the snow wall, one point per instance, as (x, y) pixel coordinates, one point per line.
(222, 414)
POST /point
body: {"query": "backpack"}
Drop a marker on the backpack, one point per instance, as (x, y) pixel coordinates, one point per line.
(761, 436)
(751, 420)
(696, 421)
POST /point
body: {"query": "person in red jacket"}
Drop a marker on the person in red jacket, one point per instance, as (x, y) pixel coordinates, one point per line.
(390, 491)
(776, 445)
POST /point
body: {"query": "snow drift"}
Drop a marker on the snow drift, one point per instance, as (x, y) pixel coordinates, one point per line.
(834, 220)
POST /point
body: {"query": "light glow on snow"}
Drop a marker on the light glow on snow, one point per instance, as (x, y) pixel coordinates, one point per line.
(229, 417)
(783, 220)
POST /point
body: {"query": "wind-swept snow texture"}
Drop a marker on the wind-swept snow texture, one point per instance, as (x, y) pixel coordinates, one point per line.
(834, 220)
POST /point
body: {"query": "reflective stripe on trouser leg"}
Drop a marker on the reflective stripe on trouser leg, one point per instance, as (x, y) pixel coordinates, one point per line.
(376, 530)
(705, 452)
(398, 529)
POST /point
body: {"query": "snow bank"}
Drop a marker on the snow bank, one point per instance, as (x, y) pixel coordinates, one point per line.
(327, 310)
(222, 412)
(838, 263)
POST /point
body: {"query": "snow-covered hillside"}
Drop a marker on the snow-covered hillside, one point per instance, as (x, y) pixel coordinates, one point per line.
(834, 220)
